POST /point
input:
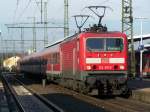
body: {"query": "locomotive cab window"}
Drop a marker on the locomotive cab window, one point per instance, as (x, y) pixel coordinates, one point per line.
(95, 44)
(114, 44)
(104, 44)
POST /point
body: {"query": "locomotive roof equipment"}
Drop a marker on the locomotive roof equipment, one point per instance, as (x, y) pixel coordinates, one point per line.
(99, 27)
(83, 21)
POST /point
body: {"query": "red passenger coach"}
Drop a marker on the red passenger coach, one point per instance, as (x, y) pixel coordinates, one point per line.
(53, 61)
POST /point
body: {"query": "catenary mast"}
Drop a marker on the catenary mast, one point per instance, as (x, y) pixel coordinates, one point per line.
(127, 27)
(66, 18)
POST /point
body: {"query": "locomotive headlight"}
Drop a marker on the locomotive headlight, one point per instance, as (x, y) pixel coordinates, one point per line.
(88, 67)
(121, 67)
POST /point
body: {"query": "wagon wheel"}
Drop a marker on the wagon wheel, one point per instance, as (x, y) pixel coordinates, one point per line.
(63, 82)
(83, 88)
(127, 92)
(101, 90)
(74, 85)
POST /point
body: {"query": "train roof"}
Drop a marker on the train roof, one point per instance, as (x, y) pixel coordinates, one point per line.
(61, 40)
(55, 43)
(75, 35)
(89, 32)
(68, 38)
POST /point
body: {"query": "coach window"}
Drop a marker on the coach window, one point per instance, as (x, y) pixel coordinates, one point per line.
(51, 59)
(48, 59)
(54, 58)
(58, 56)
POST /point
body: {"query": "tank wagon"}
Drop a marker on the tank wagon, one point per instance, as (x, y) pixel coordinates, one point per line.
(88, 60)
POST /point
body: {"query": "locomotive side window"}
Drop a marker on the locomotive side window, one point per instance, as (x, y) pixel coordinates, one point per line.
(104, 44)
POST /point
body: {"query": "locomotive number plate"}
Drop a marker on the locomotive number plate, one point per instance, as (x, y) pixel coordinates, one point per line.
(105, 60)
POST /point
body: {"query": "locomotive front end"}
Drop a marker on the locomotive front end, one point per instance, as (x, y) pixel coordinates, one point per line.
(105, 62)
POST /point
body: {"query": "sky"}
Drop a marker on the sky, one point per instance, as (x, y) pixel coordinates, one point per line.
(19, 11)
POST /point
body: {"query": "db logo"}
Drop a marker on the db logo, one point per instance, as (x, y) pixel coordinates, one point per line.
(105, 60)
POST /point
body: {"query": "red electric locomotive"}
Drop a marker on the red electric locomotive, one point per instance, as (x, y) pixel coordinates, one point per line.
(92, 59)
(95, 60)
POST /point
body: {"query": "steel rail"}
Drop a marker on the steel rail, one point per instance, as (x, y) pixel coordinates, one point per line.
(13, 94)
(111, 107)
(48, 103)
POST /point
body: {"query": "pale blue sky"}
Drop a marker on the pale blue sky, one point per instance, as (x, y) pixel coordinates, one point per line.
(11, 13)
(55, 7)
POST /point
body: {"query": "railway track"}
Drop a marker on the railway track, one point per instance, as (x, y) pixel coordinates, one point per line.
(22, 100)
(66, 102)
(116, 104)
(132, 104)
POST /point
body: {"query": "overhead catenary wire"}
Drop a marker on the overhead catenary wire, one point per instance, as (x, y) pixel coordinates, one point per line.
(11, 34)
(19, 14)
(24, 10)
(15, 18)
(15, 12)
(37, 4)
